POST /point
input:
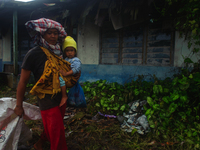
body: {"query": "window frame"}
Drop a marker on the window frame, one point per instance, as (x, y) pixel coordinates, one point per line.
(145, 53)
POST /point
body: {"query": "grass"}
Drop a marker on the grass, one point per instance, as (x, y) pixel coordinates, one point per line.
(83, 133)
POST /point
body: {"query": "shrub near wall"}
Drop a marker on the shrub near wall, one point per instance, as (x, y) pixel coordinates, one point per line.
(173, 103)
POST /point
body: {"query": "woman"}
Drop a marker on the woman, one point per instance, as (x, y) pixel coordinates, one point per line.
(48, 35)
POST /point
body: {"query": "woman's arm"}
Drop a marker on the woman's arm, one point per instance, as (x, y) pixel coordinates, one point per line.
(21, 88)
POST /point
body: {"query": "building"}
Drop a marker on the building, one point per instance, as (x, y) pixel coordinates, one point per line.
(117, 40)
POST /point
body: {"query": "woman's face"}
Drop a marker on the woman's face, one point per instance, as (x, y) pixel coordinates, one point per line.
(51, 36)
(70, 52)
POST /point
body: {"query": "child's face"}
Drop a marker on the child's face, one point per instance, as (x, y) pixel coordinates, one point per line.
(70, 52)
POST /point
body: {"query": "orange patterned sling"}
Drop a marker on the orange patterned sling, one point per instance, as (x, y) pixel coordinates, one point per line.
(49, 81)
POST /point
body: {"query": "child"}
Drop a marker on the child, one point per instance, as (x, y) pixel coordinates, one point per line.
(70, 49)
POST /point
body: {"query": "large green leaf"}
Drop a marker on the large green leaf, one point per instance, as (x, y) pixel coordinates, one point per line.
(94, 93)
(103, 94)
(183, 81)
(155, 89)
(136, 92)
(188, 60)
(165, 99)
(172, 107)
(100, 84)
(190, 76)
(160, 88)
(156, 107)
(102, 102)
(184, 86)
(97, 104)
(174, 81)
(105, 105)
(189, 141)
(151, 124)
(122, 107)
(196, 77)
(148, 112)
(112, 98)
(150, 101)
(183, 98)
(175, 95)
(162, 115)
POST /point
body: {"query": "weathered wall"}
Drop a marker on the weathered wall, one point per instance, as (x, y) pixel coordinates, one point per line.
(7, 47)
(1, 55)
(88, 52)
(88, 43)
(124, 73)
(1, 51)
(181, 49)
(5, 50)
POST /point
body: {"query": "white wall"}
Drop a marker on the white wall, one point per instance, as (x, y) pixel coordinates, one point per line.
(181, 49)
(88, 43)
(7, 46)
(88, 46)
(1, 50)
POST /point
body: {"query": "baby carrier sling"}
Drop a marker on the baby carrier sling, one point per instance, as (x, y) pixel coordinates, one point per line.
(49, 81)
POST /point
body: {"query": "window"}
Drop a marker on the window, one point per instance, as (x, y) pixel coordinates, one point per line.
(25, 43)
(146, 44)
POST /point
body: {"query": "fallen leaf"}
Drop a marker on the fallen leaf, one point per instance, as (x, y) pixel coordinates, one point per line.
(153, 142)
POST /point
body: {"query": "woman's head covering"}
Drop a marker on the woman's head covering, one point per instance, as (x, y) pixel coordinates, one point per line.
(37, 28)
(69, 42)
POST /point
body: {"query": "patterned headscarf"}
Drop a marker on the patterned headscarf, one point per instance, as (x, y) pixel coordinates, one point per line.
(37, 28)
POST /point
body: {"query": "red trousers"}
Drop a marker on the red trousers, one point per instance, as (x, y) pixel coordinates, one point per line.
(54, 128)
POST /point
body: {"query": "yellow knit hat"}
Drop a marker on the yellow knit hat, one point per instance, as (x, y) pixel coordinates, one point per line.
(69, 42)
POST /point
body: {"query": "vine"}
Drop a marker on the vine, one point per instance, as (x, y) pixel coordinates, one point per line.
(185, 15)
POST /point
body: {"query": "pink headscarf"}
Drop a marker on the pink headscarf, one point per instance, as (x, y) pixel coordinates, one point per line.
(37, 28)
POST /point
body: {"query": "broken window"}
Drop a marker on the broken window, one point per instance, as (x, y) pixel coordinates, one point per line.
(144, 44)
(25, 43)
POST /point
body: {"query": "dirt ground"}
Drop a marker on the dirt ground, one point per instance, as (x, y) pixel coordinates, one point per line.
(83, 132)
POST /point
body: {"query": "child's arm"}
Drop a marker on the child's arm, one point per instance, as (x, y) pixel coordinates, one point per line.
(76, 65)
(76, 68)
(66, 73)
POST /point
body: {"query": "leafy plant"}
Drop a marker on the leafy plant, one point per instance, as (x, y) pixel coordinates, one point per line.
(172, 104)
(29, 85)
(177, 109)
(185, 16)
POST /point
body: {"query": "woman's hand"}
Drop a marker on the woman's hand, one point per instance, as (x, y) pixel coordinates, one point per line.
(19, 110)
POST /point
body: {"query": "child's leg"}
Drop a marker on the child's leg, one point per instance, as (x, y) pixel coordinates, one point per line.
(63, 91)
(64, 96)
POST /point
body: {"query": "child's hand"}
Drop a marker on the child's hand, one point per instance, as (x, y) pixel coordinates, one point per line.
(77, 75)
(63, 73)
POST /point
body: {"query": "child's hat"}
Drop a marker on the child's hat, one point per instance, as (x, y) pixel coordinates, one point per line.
(69, 42)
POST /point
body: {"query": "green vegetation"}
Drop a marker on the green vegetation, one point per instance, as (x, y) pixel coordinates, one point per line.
(172, 112)
(184, 15)
(173, 104)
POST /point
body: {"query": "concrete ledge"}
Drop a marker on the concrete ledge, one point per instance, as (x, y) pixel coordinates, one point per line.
(124, 73)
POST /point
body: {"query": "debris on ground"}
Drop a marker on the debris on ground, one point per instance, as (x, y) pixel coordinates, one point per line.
(84, 130)
(135, 119)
